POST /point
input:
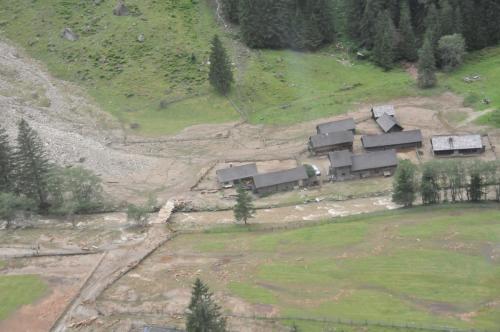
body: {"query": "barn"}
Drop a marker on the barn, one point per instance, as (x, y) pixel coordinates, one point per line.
(398, 140)
(378, 111)
(457, 145)
(269, 183)
(346, 166)
(235, 175)
(324, 143)
(340, 125)
(389, 124)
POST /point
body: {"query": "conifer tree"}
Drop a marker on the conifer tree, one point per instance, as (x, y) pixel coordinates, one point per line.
(203, 313)
(6, 163)
(405, 185)
(458, 24)
(429, 188)
(433, 27)
(408, 43)
(244, 209)
(354, 11)
(220, 75)
(369, 21)
(32, 165)
(475, 191)
(426, 66)
(384, 49)
(446, 18)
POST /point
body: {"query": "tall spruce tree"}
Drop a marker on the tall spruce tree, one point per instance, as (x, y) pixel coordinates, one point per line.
(230, 8)
(368, 22)
(405, 184)
(429, 189)
(203, 313)
(384, 49)
(354, 10)
(244, 209)
(433, 27)
(426, 66)
(408, 43)
(220, 75)
(33, 169)
(446, 18)
(6, 163)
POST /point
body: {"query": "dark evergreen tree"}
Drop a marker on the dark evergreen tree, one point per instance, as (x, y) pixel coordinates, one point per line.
(405, 185)
(33, 169)
(230, 8)
(203, 313)
(354, 10)
(426, 66)
(446, 18)
(433, 27)
(369, 21)
(475, 190)
(458, 25)
(6, 163)
(407, 43)
(244, 209)
(384, 49)
(220, 75)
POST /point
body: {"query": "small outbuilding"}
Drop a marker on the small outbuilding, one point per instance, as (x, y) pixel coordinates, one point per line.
(397, 141)
(324, 143)
(334, 126)
(346, 166)
(378, 111)
(234, 175)
(389, 124)
(456, 145)
(269, 183)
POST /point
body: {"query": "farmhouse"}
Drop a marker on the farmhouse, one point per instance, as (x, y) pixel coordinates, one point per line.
(454, 145)
(324, 143)
(397, 140)
(389, 124)
(341, 125)
(346, 166)
(234, 175)
(269, 183)
(378, 111)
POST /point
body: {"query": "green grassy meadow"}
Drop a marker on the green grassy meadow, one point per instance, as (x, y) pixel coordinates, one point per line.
(425, 266)
(16, 291)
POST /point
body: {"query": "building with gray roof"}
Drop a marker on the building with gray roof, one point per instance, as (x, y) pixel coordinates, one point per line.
(456, 145)
(346, 166)
(268, 183)
(397, 140)
(233, 175)
(388, 123)
(324, 143)
(340, 125)
(378, 111)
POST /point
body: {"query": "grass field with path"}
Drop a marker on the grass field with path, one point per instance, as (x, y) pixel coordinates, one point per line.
(16, 291)
(429, 267)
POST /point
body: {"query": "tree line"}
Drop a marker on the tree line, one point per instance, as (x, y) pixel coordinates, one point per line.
(30, 182)
(296, 24)
(446, 181)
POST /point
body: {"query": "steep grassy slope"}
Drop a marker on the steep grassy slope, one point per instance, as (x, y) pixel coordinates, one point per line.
(161, 84)
(426, 267)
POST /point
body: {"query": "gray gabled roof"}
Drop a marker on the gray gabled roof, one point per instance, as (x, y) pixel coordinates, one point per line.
(335, 138)
(236, 173)
(456, 142)
(341, 125)
(387, 122)
(392, 139)
(374, 160)
(380, 110)
(340, 158)
(280, 177)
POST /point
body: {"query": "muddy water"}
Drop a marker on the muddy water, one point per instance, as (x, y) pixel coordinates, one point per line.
(297, 213)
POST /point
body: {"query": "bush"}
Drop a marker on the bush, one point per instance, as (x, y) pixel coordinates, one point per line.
(140, 213)
(11, 205)
(451, 51)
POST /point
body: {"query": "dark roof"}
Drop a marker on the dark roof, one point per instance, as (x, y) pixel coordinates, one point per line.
(378, 111)
(387, 122)
(373, 160)
(340, 158)
(336, 138)
(456, 142)
(280, 177)
(236, 173)
(341, 125)
(392, 139)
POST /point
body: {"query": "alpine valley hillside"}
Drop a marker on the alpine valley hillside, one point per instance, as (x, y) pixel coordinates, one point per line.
(150, 68)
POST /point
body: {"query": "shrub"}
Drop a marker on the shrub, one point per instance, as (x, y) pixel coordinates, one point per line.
(451, 51)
